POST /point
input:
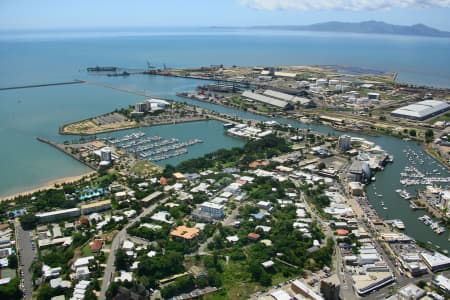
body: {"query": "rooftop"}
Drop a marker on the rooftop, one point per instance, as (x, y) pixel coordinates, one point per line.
(421, 109)
(96, 204)
(184, 232)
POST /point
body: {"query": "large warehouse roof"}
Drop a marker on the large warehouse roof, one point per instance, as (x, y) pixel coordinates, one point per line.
(421, 110)
(265, 99)
(287, 97)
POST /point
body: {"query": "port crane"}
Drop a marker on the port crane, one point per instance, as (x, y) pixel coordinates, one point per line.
(150, 66)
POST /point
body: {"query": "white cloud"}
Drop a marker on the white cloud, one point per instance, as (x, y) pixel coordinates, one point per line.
(341, 4)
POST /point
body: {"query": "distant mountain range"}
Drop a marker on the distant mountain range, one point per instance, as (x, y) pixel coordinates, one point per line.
(367, 27)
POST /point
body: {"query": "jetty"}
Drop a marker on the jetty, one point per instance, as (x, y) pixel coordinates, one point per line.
(41, 85)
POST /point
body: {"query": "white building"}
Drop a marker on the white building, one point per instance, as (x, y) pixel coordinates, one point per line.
(421, 110)
(442, 282)
(105, 154)
(58, 214)
(436, 262)
(215, 210)
(344, 143)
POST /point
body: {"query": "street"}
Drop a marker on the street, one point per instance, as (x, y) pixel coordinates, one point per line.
(118, 239)
(27, 251)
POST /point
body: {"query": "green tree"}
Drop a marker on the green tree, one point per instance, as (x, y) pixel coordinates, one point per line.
(321, 166)
(28, 221)
(12, 261)
(122, 260)
(429, 134)
(11, 290)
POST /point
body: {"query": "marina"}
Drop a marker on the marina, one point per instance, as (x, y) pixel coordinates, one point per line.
(152, 148)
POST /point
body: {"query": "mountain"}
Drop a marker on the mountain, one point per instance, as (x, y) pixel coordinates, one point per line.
(367, 27)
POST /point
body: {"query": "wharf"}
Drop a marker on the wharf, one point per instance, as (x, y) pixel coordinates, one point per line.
(41, 85)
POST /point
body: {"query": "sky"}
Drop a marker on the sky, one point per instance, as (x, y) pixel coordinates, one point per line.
(65, 14)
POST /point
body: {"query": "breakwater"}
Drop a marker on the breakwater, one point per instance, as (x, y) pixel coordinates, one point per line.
(60, 148)
(40, 85)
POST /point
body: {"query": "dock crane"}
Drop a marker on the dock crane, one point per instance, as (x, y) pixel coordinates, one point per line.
(150, 66)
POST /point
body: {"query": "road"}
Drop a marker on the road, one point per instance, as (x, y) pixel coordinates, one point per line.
(117, 241)
(346, 291)
(26, 255)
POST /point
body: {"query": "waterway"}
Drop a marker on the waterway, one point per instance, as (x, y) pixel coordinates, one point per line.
(26, 114)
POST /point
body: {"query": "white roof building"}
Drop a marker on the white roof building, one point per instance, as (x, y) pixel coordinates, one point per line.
(287, 97)
(162, 216)
(81, 262)
(280, 295)
(442, 282)
(264, 99)
(421, 110)
(124, 276)
(411, 291)
(436, 261)
(128, 245)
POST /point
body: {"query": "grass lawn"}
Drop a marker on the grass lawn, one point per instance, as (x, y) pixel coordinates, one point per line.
(143, 168)
(445, 117)
(86, 250)
(236, 283)
(7, 272)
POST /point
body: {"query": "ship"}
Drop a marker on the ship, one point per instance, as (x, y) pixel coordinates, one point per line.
(124, 73)
(102, 69)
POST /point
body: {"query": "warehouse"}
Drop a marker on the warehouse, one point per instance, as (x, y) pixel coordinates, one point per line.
(267, 100)
(421, 110)
(288, 97)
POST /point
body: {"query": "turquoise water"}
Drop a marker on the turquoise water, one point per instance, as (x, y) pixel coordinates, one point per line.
(52, 56)
(26, 114)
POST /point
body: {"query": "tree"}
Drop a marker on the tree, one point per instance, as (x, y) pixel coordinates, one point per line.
(11, 290)
(422, 284)
(412, 132)
(12, 261)
(321, 166)
(122, 260)
(28, 221)
(429, 134)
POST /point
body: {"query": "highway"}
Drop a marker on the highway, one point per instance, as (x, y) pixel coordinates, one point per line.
(110, 269)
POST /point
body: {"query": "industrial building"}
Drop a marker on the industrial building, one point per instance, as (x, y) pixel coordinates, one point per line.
(436, 261)
(289, 98)
(359, 172)
(442, 282)
(267, 100)
(421, 110)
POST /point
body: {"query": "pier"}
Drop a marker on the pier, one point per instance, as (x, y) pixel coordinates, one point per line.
(41, 85)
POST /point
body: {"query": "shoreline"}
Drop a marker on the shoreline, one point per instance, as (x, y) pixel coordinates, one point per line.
(46, 186)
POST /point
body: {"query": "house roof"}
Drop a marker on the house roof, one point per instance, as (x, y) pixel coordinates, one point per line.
(97, 245)
(253, 236)
(184, 232)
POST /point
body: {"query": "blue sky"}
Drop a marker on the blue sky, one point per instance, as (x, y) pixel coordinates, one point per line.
(61, 14)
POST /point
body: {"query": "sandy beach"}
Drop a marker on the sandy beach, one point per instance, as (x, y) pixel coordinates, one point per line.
(48, 185)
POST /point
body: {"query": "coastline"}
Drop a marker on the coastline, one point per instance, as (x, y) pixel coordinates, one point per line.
(46, 186)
